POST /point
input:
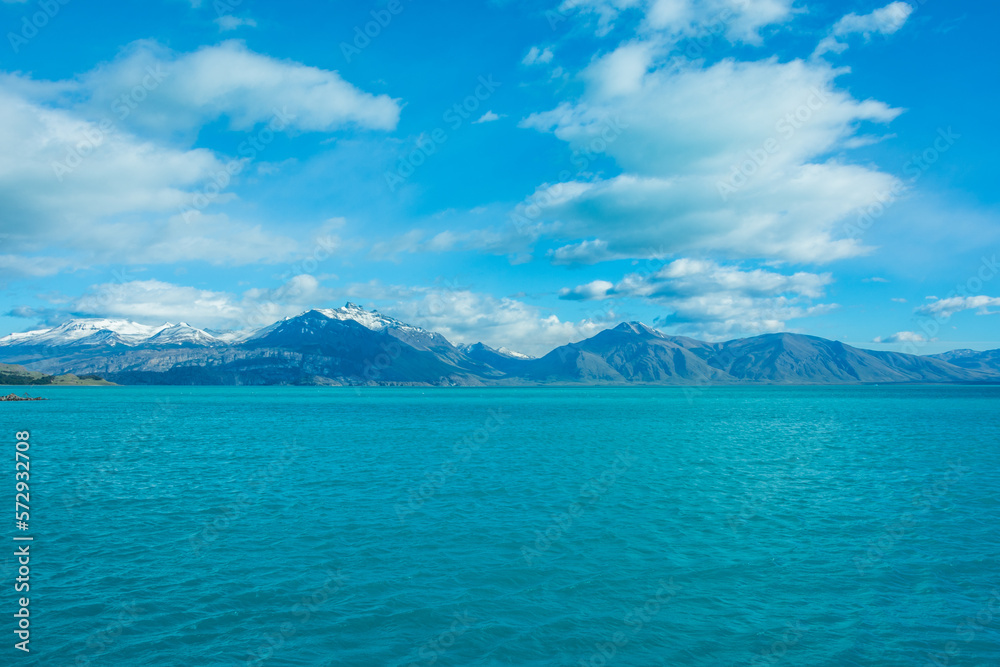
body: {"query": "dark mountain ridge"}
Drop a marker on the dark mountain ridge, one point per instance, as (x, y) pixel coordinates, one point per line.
(353, 346)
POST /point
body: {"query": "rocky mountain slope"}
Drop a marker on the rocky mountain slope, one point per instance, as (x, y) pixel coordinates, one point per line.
(354, 346)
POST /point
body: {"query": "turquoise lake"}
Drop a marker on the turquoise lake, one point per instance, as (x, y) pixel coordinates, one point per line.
(282, 526)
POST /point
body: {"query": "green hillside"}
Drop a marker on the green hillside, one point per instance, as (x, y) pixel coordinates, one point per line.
(21, 376)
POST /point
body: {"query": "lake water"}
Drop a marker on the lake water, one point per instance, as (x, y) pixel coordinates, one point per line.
(333, 526)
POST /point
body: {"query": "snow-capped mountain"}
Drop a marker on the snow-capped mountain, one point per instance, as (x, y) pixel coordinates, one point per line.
(183, 334)
(97, 332)
(507, 352)
(128, 332)
(354, 346)
(370, 319)
(483, 348)
(318, 322)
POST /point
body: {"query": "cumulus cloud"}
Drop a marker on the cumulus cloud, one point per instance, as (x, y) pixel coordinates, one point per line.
(459, 314)
(597, 289)
(17, 266)
(901, 337)
(83, 171)
(739, 20)
(884, 21)
(74, 184)
(155, 302)
(945, 308)
(538, 56)
(584, 252)
(748, 176)
(714, 301)
(229, 80)
(229, 22)
(122, 174)
(487, 117)
(464, 316)
(622, 71)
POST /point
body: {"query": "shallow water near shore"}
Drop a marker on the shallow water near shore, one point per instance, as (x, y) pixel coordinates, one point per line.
(561, 526)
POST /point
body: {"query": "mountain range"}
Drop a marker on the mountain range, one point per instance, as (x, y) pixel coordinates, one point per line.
(354, 346)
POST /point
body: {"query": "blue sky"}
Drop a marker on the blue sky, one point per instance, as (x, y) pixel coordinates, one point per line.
(521, 173)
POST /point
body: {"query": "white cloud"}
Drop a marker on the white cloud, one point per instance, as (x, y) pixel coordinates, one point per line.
(606, 10)
(884, 21)
(80, 173)
(229, 80)
(901, 337)
(688, 277)
(537, 56)
(598, 289)
(17, 266)
(155, 302)
(463, 316)
(945, 308)
(714, 301)
(584, 252)
(622, 71)
(487, 117)
(739, 20)
(121, 204)
(121, 174)
(229, 22)
(733, 158)
(214, 239)
(460, 315)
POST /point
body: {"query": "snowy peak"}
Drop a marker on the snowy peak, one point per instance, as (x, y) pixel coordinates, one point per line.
(21, 338)
(507, 352)
(103, 338)
(128, 332)
(183, 334)
(476, 348)
(638, 328)
(370, 319)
